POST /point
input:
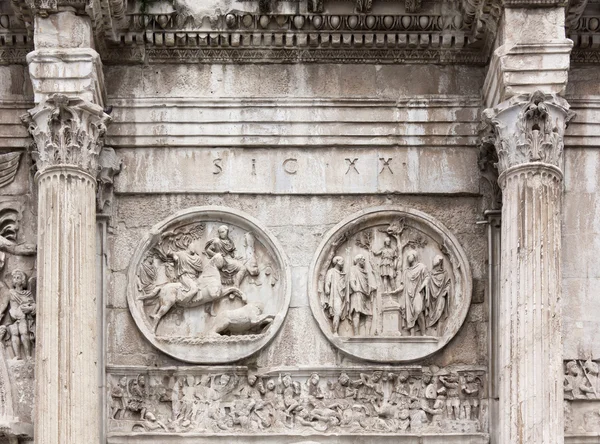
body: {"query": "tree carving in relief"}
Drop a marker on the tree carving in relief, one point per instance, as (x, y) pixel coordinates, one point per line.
(387, 276)
(390, 284)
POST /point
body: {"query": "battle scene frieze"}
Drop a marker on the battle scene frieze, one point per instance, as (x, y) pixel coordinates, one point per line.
(242, 401)
(208, 285)
(390, 285)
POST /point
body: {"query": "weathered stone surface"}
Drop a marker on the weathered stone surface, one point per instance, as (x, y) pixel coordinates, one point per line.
(209, 285)
(390, 285)
(298, 114)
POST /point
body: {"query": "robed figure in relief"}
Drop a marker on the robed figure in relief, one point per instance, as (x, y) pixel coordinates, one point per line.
(336, 293)
(361, 296)
(414, 285)
(223, 245)
(439, 289)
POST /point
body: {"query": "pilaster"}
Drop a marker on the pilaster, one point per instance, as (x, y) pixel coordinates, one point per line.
(529, 133)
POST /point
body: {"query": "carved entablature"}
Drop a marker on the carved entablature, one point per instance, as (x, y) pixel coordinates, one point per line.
(67, 132)
(529, 129)
(390, 284)
(239, 31)
(341, 401)
(209, 285)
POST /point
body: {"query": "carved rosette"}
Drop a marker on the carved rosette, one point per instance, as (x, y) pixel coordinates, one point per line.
(67, 132)
(209, 285)
(529, 129)
(390, 284)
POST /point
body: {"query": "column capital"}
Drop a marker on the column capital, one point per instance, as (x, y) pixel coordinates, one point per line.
(43, 8)
(529, 129)
(67, 132)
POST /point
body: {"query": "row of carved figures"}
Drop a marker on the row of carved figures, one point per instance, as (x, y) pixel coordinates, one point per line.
(581, 380)
(384, 402)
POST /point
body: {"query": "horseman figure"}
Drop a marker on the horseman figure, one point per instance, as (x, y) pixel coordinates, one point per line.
(197, 278)
(235, 269)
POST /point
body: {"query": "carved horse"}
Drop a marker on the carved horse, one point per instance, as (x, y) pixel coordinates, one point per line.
(191, 290)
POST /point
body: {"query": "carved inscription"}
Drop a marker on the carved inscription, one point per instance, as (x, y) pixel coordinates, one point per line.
(394, 401)
(290, 165)
(218, 166)
(352, 165)
(385, 165)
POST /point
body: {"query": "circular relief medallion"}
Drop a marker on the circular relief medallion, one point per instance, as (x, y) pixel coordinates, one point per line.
(390, 284)
(209, 285)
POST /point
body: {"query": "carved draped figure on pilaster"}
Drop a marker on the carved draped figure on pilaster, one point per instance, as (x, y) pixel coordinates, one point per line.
(528, 137)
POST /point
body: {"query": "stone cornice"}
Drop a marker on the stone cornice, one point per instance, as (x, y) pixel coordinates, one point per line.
(528, 129)
(338, 38)
(391, 33)
(534, 3)
(584, 30)
(66, 132)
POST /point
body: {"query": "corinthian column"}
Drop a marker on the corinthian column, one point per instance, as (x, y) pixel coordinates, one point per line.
(529, 142)
(67, 135)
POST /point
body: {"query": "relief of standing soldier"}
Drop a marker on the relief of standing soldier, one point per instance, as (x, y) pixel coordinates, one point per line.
(19, 320)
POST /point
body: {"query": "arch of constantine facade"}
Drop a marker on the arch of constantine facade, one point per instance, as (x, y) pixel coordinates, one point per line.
(299, 221)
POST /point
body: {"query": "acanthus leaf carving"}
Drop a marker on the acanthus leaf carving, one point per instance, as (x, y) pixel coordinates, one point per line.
(67, 132)
(529, 128)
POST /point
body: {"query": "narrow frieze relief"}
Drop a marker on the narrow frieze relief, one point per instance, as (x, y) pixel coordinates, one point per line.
(529, 128)
(581, 381)
(390, 400)
(582, 396)
(67, 132)
(390, 285)
(209, 286)
(42, 7)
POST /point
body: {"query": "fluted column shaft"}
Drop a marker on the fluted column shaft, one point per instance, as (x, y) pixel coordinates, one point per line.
(67, 403)
(530, 316)
(529, 141)
(67, 134)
